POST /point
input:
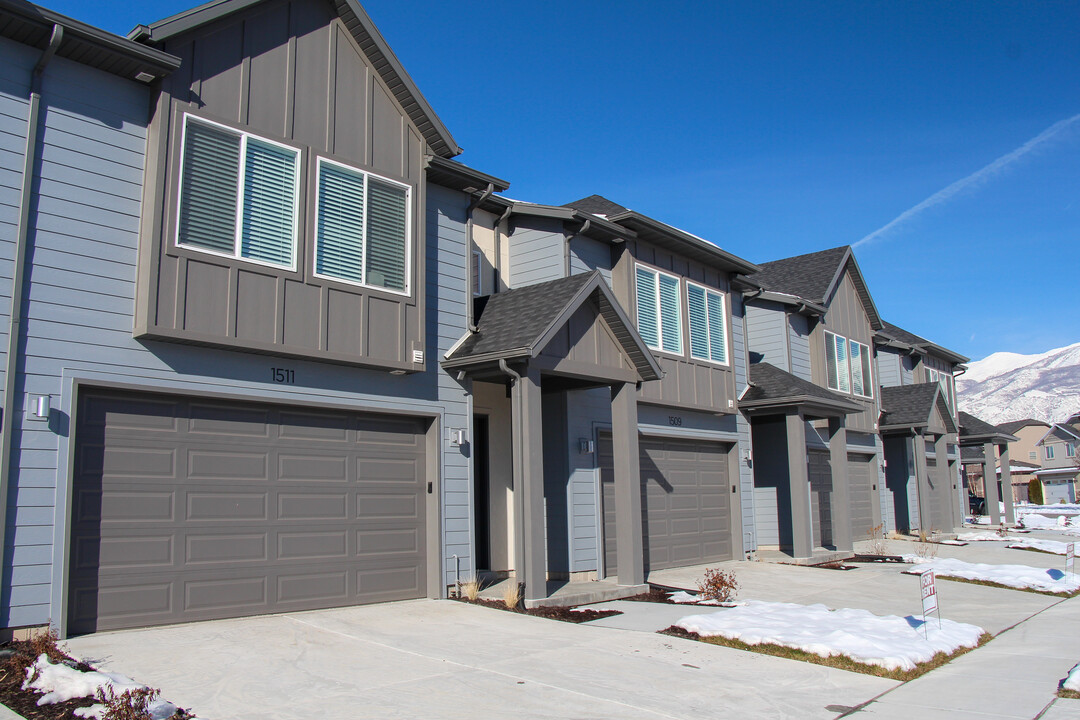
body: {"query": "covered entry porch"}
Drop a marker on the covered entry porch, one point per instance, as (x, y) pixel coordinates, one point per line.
(530, 348)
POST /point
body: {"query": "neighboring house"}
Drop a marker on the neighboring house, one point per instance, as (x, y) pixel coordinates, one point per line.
(983, 444)
(918, 429)
(813, 403)
(1022, 473)
(1059, 450)
(1028, 432)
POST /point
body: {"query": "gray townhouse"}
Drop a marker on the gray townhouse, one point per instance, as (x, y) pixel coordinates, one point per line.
(813, 404)
(1058, 451)
(919, 427)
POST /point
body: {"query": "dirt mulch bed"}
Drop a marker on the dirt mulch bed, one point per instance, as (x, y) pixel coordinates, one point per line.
(841, 662)
(15, 657)
(876, 559)
(552, 613)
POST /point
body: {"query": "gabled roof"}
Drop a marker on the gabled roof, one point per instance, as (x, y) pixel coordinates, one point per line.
(772, 389)
(912, 406)
(664, 235)
(519, 323)
(31, 25)
(1016, 425)
(895, 336)
(814, 276)
(973, 431)
(367, 37)
(1065, 428)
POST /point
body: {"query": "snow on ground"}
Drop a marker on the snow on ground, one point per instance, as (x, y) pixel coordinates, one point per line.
(62, 682)
(1051, 546)
(891, 642)
(982, 537)
(1073, 681)
(1017, 576)
(1061, 518)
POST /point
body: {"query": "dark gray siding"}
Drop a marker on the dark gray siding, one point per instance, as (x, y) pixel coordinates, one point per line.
(290, 72)
(767, 334)
(587, 254)
(537, 251)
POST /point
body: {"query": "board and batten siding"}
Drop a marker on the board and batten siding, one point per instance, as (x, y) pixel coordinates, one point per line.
(78, 331)
(846, 316)
(536, 251)
(290, 72)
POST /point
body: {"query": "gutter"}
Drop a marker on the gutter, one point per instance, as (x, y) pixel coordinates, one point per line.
(18, 279)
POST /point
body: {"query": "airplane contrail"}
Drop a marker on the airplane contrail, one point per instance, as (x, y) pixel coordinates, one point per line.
(974, 178)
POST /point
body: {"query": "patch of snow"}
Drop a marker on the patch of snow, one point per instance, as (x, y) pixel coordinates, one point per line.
(953, 542)
(1073, 681)
(60, 682)
(1016, 576)
(683, 597)
(891, 642)
(981, 537)
(1051, 546)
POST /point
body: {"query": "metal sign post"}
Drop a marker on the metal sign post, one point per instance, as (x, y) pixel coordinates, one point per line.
(929, 598)
(1070, 559)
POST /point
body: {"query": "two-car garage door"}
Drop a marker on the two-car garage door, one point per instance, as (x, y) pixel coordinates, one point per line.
(187, 509)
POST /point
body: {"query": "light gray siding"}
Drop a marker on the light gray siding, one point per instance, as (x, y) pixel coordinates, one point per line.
(79, 329)
(588, 254)
(739, 312)
(799, 346)
(587, 412)
(537, 251)
(767, 334)
(888, 367)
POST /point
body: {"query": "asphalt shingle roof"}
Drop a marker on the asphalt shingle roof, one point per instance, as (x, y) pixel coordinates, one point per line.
(899, 333)
(806, 276)
(1012, 427)
(973, 428)
(516, 319)
(597, 205)
(907, 404)
(768, 382)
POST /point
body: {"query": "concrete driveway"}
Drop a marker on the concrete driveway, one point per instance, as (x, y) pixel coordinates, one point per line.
(427, 659)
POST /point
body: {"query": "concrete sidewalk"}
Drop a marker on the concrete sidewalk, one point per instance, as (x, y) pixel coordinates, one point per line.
(1013, 676)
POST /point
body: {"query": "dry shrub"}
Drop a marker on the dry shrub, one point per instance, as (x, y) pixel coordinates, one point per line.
(469, 589)
(878, 544)
(26, 652)
(924, 548)
(718, 585)
(512, 595)
(128, 705)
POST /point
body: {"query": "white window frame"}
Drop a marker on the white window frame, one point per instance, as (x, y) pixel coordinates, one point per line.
(1048, 452)
(320, 160)
(1070, 450)
(727, 336)
(868, 383)
(681, 352)
(864, 351)
(477, 277)
(235, 255)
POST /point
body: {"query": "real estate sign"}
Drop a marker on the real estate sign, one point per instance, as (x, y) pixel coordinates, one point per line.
(929, 592)
(1070, 557)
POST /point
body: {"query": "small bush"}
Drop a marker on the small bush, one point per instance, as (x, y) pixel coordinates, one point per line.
(512, 595)
(718, 585)
(924, 548)
(878, 544)
(1035, 491)
(469, 589)
(128, 705)
(26, 652)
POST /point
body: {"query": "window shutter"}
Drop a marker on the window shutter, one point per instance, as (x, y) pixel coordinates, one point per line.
(648, 319)
(842, 372)
(340, 237)
(269, 211)
(208, 188)
(856, 368)
(717, 336)
(670, 329)
(699, 322)
(387, 243)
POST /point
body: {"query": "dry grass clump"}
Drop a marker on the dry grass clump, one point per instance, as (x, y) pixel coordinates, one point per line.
(128, 705)
(511, 595)
(469, 589)
(924, 548)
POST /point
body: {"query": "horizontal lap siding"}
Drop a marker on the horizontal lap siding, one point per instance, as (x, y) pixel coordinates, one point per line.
(766, 333)
(739, 319)
(536, 254)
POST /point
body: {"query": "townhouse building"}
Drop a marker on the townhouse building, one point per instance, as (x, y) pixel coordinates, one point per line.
(1060, 471)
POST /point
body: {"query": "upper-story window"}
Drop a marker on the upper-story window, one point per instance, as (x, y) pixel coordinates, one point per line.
(708, 326)
(658, 314)
(477, 268)
(947, 382)
(1070, 450)
(362, 228)
(239, 194)
(1048, 451)
(847, 365)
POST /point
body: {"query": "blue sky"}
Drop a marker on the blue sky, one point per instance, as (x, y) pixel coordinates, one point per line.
(779, 128)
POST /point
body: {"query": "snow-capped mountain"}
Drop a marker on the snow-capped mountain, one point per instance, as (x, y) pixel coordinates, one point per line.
(1009, 386)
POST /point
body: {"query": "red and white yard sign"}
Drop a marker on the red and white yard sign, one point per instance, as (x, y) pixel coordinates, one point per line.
(929, 592)
(1070, 557)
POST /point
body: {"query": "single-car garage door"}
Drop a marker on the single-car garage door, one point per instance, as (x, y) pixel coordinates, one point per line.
(189, 509)
(685, 502)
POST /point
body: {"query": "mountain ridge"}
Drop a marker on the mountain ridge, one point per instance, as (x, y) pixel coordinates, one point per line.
(1008, 386)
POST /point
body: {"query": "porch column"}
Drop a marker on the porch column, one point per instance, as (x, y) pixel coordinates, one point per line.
(1006, 484)
(944, 477)
(841, 494)
(802, 521)
(530, 562)
(629, 533)
(922, 481)
(990, 486)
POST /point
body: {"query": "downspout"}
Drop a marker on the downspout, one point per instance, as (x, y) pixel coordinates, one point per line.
(498, 248)
(468, 255)
(516, 426)
(569, 238)
(22, 234)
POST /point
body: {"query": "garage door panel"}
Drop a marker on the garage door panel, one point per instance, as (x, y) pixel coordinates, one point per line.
(241, 524)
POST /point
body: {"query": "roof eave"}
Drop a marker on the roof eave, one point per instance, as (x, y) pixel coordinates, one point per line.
(721, 258)
(465, 178)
